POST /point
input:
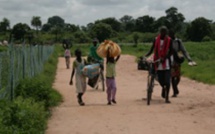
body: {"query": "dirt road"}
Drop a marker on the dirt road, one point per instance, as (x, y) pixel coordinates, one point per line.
(193, 112)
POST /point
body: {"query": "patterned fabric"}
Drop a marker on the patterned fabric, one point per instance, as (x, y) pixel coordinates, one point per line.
(176, 70)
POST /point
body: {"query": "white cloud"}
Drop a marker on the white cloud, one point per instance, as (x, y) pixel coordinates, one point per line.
(82, 12)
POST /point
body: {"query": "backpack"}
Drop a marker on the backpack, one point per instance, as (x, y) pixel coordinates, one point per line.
(178, 55)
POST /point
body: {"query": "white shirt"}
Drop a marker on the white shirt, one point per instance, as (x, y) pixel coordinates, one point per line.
(160, 65)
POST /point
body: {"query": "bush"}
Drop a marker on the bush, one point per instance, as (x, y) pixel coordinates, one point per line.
(206, 38)
(23, 116)
(39, 90)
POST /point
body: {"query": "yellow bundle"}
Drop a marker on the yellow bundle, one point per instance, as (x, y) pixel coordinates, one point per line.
(114, 49)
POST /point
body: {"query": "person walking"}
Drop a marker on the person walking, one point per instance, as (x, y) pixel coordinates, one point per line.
(93, 56)
(81, 85)
(162, 48)
(110, 78)
(178, 48)
(67, 54)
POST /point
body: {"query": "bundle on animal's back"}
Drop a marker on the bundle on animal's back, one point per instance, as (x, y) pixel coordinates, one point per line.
(114, 49)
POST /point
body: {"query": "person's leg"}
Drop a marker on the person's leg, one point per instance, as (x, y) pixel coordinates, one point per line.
(167, 84)
(161, 80)
(114, 91)
(174, 86)
(177, 82)
(108, 84)
(176, 79)
(80, 101)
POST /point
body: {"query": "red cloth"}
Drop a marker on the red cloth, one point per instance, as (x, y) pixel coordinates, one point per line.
(161, 53)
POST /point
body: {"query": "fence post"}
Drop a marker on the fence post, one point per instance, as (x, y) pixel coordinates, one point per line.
(23, 61)
(0, 72)
(11, 72)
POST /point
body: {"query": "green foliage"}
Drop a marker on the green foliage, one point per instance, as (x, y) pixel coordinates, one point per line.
(206, 38)
(20, 30)
(203, 54)
(113, 22)
(81, 37)
(28, 113)
(199, 28)
(23, 116)
(136, 38)
(145, 24)
(38, 89)
(175, 19)
(101, 31)
(3, 48)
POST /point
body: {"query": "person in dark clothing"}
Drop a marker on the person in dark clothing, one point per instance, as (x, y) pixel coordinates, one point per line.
(178, 47)
(66, 44)
(162, 48)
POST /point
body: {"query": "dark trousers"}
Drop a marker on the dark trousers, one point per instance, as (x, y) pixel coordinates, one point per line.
(175, 82)
(164, 77)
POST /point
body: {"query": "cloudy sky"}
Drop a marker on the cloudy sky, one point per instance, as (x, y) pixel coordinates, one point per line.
(82, 12)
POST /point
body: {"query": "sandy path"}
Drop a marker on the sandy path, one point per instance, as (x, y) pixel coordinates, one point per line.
(193, 112)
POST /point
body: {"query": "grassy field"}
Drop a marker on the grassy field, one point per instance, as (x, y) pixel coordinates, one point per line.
(201, 52)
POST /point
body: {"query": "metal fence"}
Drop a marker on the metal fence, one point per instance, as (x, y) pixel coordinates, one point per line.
(19, 62)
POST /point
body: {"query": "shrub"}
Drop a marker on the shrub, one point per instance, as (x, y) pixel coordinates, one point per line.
(23, 116)
(39, 90)
(206, 38)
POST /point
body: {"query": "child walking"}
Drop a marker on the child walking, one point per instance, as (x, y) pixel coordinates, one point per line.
(78, 65)
(110, 78)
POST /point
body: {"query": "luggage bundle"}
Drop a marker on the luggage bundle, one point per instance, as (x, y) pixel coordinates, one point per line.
(114, 49)
(91, 71)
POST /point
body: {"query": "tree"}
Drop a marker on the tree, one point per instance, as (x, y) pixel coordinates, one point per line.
(71, 28)
(113, 22)
(128, 23)
(20, 30)
(162, 21)
(136, 38)
(174, 19)
(56, 21)
(4, 25)
(46, 27)
(56, 30)
(81, 37)
(199, 28)
(36, 22)
(101, 31)
(145, 24)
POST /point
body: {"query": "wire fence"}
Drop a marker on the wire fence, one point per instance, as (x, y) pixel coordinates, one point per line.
(19, 62)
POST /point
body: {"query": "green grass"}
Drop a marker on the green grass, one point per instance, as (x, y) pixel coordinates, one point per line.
(201, 52)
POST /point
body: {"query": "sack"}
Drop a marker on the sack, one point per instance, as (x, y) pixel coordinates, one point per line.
(91, 71)
(92, 82)
(142, 64)
(178, 57)
(114, 49)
